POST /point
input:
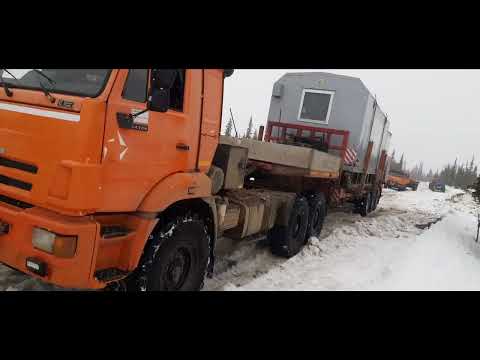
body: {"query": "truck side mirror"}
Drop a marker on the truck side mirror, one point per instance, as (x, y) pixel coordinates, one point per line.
(161, 81)
(159, 100)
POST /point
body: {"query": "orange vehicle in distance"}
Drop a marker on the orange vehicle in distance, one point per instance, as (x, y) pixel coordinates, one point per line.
(400, 181)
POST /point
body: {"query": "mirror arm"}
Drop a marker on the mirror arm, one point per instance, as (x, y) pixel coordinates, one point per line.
(133, 116)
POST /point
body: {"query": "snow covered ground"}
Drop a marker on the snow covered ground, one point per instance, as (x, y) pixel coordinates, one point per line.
(383, 251)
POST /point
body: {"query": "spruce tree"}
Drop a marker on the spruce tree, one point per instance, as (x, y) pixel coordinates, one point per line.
(228, 127)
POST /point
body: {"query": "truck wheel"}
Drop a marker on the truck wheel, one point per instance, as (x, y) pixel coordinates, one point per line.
(176, 258)
(287, 241)
(378, 195)
(373, 202)
(317, 213)
(364, 204)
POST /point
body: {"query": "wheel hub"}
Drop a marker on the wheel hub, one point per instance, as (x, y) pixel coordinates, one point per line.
(177, 269)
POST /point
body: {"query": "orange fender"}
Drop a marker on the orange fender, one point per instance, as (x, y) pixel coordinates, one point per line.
(176, 187)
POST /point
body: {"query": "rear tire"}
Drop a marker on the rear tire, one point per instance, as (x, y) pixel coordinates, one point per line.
(378, 195)
(373, 202)
(176, 258)
(287, 241)
(363, 206)
(317, 214)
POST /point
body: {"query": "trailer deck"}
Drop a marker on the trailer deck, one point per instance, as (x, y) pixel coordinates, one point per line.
(282, 159)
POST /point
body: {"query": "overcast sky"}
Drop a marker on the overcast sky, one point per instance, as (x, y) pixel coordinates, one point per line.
(434, 114)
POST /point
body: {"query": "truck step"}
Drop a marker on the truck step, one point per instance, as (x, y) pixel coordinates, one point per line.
(110, 274)
(111, 231)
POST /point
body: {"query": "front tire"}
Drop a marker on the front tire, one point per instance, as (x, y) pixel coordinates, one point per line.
(176, 258)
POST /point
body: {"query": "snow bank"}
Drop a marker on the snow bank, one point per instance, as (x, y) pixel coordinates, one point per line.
(442, 258)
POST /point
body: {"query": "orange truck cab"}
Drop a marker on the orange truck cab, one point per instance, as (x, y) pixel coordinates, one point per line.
(90, 158)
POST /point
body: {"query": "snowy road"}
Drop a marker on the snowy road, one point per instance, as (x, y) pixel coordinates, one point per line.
(383, 251)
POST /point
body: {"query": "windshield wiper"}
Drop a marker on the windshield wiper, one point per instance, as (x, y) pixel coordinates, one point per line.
(8, 92)
(45, 90)
(47, 93)
(9, 73)
(52, 82)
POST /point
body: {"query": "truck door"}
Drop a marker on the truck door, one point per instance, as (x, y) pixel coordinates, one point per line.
(138, 154)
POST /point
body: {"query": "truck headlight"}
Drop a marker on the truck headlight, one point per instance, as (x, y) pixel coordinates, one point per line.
(59, 245)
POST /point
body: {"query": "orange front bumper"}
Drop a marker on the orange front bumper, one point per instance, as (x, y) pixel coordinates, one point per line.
(16, 245)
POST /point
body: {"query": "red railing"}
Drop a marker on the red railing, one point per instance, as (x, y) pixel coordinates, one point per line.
(326, 135)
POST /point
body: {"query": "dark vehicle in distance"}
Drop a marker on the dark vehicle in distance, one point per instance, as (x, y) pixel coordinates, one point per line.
(437, 185)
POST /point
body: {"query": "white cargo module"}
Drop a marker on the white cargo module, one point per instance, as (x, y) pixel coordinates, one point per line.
(335, 102)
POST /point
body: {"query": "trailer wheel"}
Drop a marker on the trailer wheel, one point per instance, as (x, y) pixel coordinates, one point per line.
(287, 241)
(373, 202)
(317, 213)
(364, 204)
(378, 195)
(176, 259)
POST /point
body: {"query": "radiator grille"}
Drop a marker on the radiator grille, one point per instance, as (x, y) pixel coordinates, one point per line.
(15, 183)
(18, 165)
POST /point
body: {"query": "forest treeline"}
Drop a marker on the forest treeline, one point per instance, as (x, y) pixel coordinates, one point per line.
(459, 175)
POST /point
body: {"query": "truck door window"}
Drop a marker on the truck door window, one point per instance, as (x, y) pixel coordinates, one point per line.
(177, 91)
(135, 88)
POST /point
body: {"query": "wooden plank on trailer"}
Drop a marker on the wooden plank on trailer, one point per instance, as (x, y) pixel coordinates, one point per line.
(288, 155)
(325, 162)
(323, 174)
(276, 169)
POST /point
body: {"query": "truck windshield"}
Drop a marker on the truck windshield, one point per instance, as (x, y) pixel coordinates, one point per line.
(80, 82)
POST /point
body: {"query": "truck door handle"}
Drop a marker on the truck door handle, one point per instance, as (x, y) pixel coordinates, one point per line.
(183, 147)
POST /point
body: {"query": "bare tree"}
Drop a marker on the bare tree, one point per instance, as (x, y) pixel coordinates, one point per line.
(248, 134)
